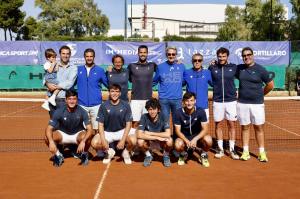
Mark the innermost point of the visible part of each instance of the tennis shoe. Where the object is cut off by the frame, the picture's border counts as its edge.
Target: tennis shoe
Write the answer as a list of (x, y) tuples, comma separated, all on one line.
[(84, 157), (204, 160), (109, 155), (245, 156), (58, 160), (234, 155), (166, 161), (51, 100), (182, 158), (262, 157), (219, 154), (45, 106), (147, 161), (126, 157)]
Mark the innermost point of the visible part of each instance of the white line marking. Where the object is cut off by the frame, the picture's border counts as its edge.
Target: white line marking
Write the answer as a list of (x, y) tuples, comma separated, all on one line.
[(291, 132), (20, 110), (99, 188)]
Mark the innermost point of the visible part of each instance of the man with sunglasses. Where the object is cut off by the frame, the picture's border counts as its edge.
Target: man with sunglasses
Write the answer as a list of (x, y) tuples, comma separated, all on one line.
[(224, 100), (169, 76), (197, 80), (254, 83)]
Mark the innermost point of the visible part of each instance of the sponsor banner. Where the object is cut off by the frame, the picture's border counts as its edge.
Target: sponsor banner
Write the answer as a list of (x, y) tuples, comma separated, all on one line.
[(265, 53), (77, 50), (19, 52), (129, 50)]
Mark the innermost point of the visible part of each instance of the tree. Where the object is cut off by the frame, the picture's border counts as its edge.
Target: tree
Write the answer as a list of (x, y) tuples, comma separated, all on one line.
[(234, 28), (11, 17), (295, 21), (75, 18), (29, 30)]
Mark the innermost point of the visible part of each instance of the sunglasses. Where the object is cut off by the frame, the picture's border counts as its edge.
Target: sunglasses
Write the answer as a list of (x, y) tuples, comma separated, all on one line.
[(171, 54), (247, 55), (197, 60)]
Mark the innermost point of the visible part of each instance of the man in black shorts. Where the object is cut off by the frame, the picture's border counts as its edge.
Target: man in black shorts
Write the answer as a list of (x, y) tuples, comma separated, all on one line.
[(70, 124), (154, 128), (115, 119), (191, 127)]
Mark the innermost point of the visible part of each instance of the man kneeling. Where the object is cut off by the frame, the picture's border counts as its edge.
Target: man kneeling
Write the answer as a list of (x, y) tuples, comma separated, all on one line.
[(191, 127), (153, 127), (70, 124), (115, 119)]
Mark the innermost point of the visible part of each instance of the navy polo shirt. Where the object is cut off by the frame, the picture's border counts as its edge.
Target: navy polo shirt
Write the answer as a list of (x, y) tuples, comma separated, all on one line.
[(251, 83), (160, 125), (70, 122), (121, 78), (114, 117), (223, 82), (190, 124)]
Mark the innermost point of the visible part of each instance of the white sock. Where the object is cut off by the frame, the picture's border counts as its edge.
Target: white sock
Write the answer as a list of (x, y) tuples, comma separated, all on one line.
[(220, 145), (245, 148), (231, 145), (261, 149), (58, 153), (166, 153), (147, 153)]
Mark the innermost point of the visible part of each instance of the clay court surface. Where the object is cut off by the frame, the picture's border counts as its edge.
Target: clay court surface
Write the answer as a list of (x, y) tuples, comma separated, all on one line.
[(27, 172)]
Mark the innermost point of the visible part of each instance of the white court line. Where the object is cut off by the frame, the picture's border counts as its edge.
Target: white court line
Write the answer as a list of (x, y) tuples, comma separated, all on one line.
[(99, 188), (291, 132), (19, 111)]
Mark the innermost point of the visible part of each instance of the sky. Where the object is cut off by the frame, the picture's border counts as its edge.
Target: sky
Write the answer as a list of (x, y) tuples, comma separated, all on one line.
[(114, 9)]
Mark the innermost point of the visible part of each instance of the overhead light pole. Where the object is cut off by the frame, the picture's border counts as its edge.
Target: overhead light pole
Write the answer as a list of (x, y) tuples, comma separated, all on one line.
[(125, 21)]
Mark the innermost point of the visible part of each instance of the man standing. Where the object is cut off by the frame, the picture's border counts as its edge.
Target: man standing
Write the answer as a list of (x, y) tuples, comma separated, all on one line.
[(191, 128), (90, 77), (254, 83), (70, 124), (224, 100), (169, 76), (66, 76), (141, 75), (115, 119), (197, 80), (153, 128)]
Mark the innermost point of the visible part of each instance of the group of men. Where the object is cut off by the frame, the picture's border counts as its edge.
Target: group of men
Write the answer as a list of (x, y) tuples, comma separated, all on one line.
[(145, 121)]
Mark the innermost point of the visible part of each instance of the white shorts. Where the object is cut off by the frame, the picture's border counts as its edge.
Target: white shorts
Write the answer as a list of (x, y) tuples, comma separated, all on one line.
[(138, 109), (251, 113), (69, 139), (207, 114), (116, 136), (226, 110), (93, 112)]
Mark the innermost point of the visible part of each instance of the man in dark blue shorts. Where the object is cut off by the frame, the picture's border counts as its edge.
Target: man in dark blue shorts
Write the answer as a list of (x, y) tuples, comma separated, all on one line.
[(115, 119), (191, 127), (70, 124), (254, 82), (154, 128)]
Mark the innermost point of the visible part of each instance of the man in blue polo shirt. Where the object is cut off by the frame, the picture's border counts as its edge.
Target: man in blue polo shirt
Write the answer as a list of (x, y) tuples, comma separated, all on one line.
[(70, 124), (191, 128), (197, 80), (169, 76), (254, 83), (224, 100), (90, 77), (154, 128), (115, 119)]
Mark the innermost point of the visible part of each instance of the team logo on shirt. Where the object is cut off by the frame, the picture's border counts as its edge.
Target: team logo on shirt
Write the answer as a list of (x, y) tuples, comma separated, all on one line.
[(253, 72), (65, 118), (80, 72), (216, 71), (110, 75), (121, 110), (137, 67), (191, 76), (95, 73), (195, 119), (184, 121), (108, 110), (230, 70)]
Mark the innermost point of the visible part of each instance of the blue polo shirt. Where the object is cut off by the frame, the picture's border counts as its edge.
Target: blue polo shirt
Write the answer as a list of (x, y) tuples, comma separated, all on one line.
[(197, 82), (223, 82), (69, 122), (121, 78), (114, 117), (160, 125), (190, 124), (251, 83)]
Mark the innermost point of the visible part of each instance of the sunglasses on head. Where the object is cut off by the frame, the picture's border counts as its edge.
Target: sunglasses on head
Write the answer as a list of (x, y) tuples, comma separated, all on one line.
[(197, 60), (247, 55), (171, 54)]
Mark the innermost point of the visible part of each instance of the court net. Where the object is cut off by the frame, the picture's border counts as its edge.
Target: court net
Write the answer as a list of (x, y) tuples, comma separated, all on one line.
[(23, 123)]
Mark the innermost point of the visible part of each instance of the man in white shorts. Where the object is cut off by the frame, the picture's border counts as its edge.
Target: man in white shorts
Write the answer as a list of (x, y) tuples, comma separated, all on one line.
[(254, 83), (224, 100), (70, 124), (154, 128), (115, 119)]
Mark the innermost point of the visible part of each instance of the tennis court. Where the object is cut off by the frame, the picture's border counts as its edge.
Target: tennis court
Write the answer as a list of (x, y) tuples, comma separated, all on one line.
[(27, 172)]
